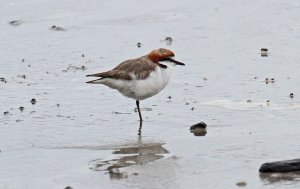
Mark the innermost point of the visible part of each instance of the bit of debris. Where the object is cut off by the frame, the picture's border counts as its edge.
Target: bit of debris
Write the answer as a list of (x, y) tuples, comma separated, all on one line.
[(22, 76), (68, 187), (82, 56), (241, 184), (2, 79), (21, 108), (264, 52), (272, 80), (116, 174), (169, 97), (249, 101), (33, 101), (135, 174), (168, 40), (291, 95), (57, 28), (74, 68), (6, 112), (139, 45), (16, 22)]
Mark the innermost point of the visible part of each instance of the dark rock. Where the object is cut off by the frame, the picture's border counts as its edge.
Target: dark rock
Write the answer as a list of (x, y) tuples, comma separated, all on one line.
[(57, 28), (291, 95), (169, 40), (199, 129), (139, 45), (21, 108), (68, 187), (241, 184), (15, 22), (281, 166), (6, 113), (200, 125), (33, 101), (264, 52)]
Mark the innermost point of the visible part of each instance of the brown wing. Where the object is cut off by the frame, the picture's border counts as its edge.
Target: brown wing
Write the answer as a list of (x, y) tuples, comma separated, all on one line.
[(139, 68)]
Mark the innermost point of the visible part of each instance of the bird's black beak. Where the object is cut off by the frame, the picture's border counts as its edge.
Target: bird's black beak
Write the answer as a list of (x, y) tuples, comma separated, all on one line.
[(175, 61)]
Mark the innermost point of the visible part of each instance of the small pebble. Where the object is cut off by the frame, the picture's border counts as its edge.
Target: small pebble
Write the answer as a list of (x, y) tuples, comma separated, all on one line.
[(241, 184), (249, 101), (57, 28), (33, 101), (169, 40), (68, 187), (6, 112), (291, 95), (169, 97), (264, 52), (15, 22), (139, 45), (200, 125), (21, 108), (82, 55)]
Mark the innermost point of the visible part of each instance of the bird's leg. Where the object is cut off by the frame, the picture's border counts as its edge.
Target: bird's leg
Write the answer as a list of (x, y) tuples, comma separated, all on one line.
[(141, 119)]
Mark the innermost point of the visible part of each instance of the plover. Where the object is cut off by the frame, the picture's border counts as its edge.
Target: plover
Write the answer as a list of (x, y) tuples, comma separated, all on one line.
[(140, 78)]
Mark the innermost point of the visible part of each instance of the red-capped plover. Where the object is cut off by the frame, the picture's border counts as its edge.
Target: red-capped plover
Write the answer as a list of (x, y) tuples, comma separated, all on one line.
[(140, 78)]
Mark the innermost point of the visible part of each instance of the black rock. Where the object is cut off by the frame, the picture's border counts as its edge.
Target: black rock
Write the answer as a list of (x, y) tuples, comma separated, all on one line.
[(21, 108), (291, 95), (6, 113), (33, 101), (200, 125), (68, 187), (139, 44), (281, 166)]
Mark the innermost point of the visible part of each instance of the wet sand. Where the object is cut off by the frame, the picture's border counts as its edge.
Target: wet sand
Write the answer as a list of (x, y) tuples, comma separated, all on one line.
[(85, 136)]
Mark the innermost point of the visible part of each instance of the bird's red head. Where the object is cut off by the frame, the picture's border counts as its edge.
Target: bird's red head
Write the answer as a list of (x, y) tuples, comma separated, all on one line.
[(160, 55)]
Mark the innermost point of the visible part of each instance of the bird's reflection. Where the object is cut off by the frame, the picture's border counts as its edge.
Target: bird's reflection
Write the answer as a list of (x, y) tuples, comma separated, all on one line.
[(136, 154), (280, 177)]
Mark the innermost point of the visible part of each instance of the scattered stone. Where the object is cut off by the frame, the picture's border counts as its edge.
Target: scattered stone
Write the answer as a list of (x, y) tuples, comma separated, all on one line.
[(264, 52), (193, 108), (200, 125), (169, 40), (204, 78), (199, 129), (249, 101), (22, 76), (2, 79), (68, 187), (6, 112), (74, 68), (139, 45), (58, 105), (82, 56), (23, 60), (19, 120), (135, 174), (15, 22), (291, 95), (21, 108), (33, 101), (241, 184), (169, 97), (281, 166), (57, 28)]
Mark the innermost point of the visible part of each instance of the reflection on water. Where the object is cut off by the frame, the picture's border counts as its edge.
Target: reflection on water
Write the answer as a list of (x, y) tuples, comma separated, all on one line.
[(137, 154), (280, 177)]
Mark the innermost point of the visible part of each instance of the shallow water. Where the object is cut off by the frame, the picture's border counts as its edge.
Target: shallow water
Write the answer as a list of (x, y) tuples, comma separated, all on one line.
[(73, 127)]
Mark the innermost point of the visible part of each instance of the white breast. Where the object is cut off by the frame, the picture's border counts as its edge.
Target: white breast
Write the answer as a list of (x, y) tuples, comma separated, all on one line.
[(141, 89)]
